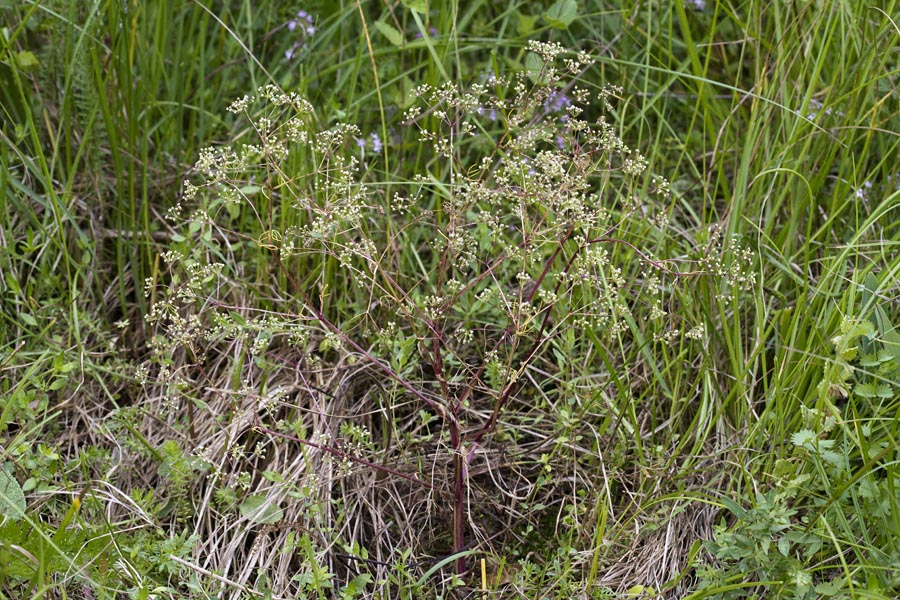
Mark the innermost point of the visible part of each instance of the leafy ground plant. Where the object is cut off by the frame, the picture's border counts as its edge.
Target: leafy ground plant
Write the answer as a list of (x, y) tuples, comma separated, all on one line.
[(474, 275)]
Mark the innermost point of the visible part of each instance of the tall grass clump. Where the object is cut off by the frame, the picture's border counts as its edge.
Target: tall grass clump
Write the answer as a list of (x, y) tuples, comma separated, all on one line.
[(96, 100)]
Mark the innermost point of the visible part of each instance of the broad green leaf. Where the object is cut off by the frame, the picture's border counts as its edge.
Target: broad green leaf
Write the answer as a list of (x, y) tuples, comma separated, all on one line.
[(357, 586), (28, 319), (12, 499), (388, 31), (534, 65), (561, 14), (27, 61), (885, 356), (12, 283), (273, 476), (526, 24), (733, 507), (640, 591), (784, 546), (255, 509), (420, 6)]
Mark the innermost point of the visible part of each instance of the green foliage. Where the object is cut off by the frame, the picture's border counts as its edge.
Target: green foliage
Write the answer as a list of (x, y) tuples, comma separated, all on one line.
[(246, 408), (834, 489), (12, 498), (34, 557)]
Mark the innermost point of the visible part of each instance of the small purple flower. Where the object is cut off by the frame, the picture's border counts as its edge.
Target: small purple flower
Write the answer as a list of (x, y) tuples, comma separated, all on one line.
[(527, 163), (376, 142), (491, 113), (432, 32), (304, 21), (557, 102)]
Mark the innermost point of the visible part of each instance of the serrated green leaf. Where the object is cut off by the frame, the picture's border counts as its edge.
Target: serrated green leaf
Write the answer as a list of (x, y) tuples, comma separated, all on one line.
[(868, 488), (834, 458), (883, 390), (256, 510), (12, 499), (803, 437), (853, 329), (850, 353), (868, 360), (868, 330), (388, 31), (830, 588), (561, 14), (865, 390)]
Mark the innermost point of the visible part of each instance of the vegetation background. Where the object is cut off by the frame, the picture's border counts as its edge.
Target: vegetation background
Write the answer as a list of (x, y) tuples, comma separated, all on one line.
[(729, 429)]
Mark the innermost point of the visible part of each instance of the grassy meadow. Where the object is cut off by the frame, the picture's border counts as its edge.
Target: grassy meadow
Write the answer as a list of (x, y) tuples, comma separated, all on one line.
[(568, 299)]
